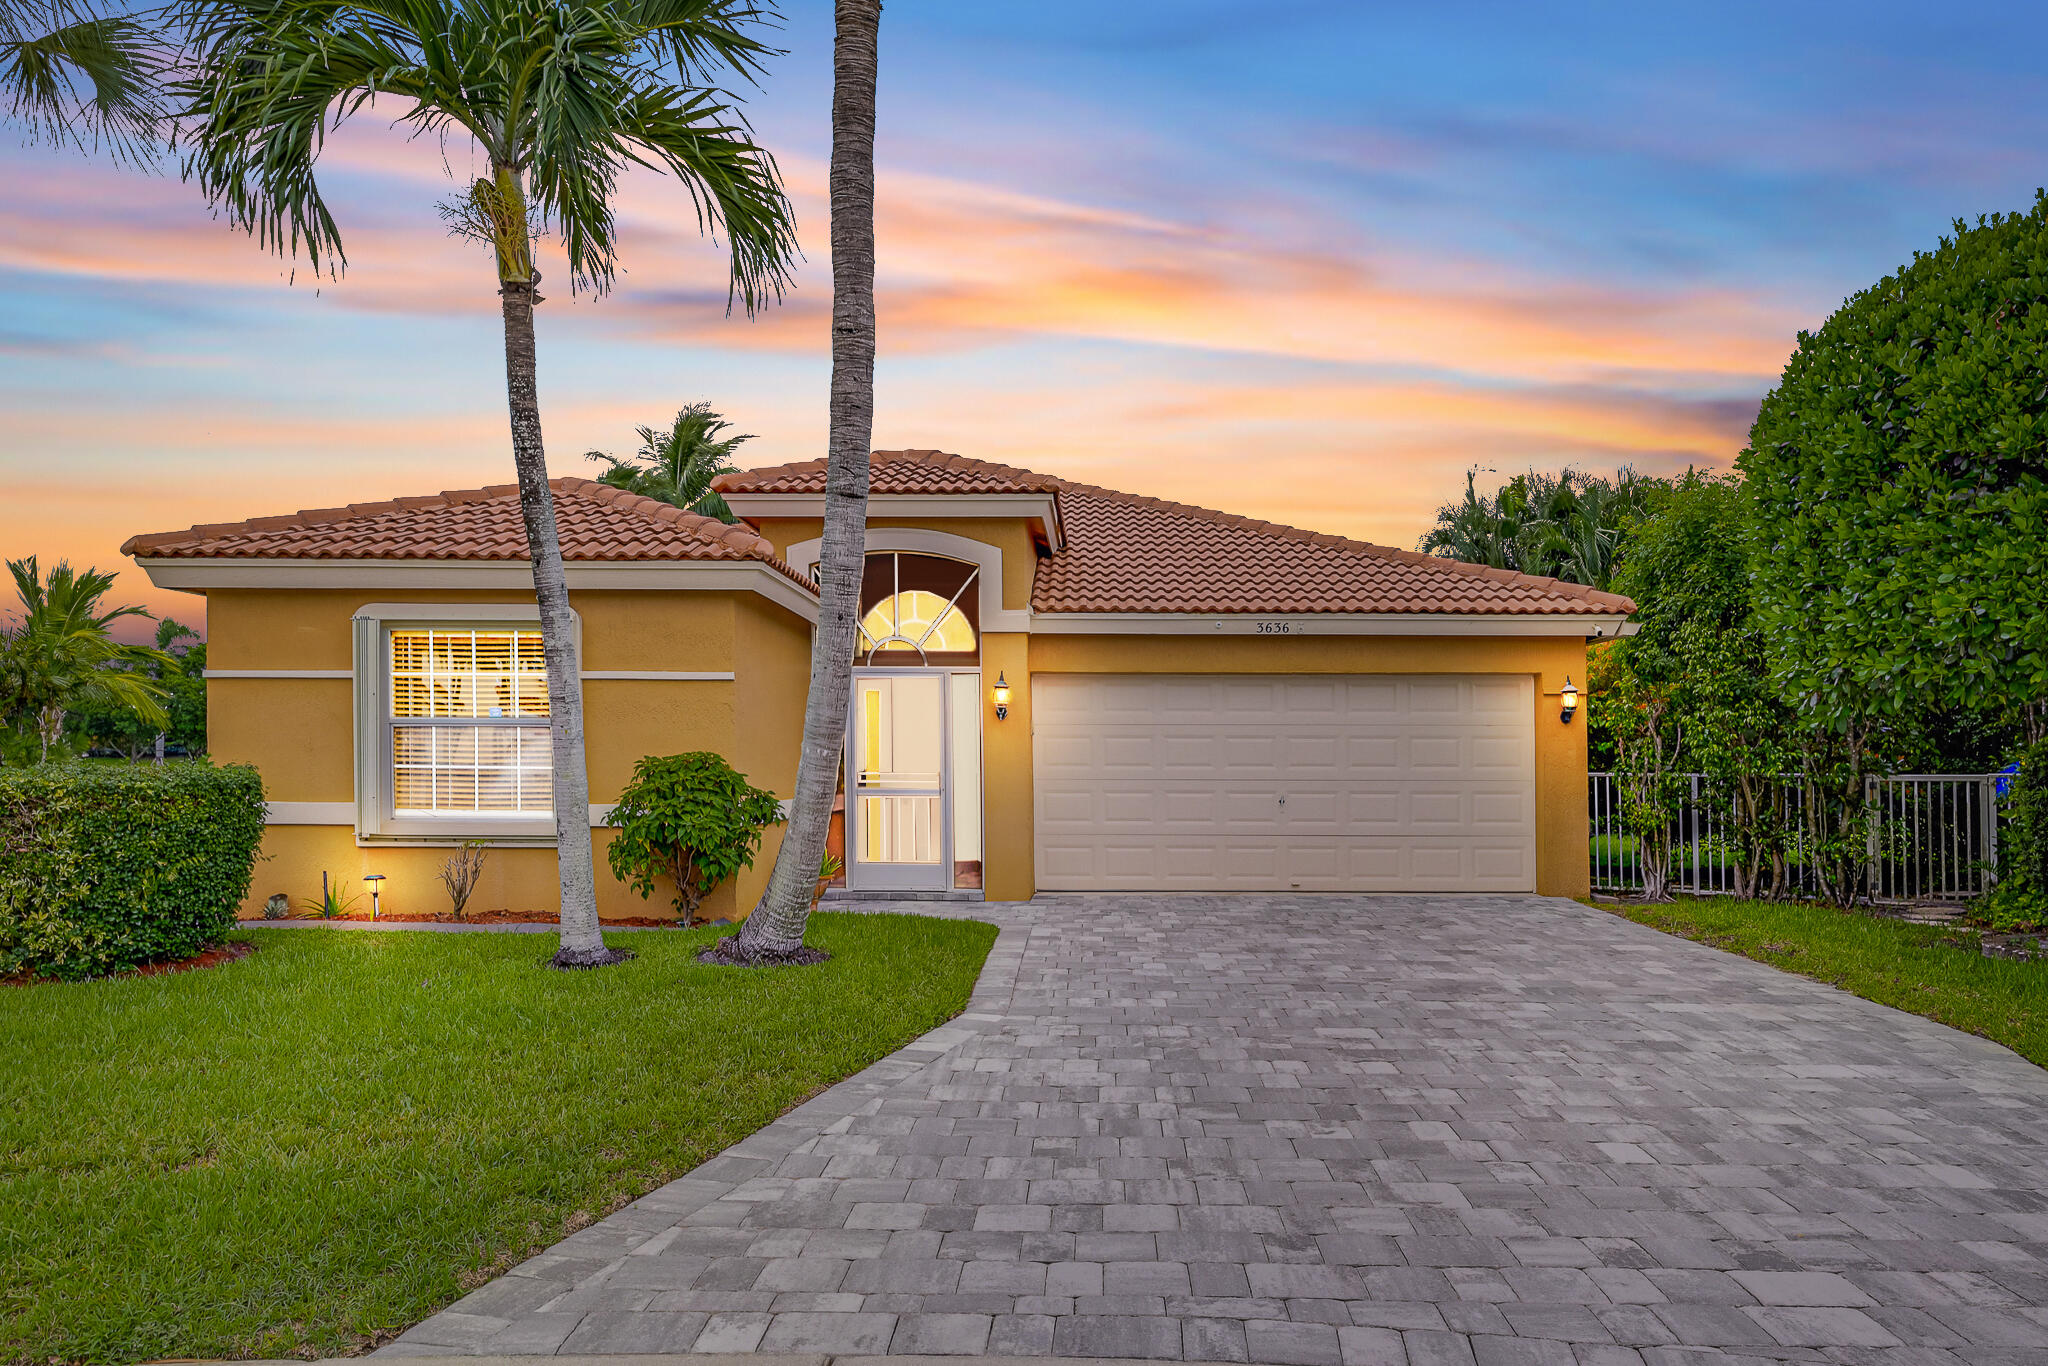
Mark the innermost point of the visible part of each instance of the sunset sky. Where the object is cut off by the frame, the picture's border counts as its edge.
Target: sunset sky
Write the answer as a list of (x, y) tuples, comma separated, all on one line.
[(1308, 263)]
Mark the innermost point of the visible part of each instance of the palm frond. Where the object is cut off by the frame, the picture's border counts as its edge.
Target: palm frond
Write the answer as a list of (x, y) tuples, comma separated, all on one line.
[(92, 80), (701, 36), (734, 183)]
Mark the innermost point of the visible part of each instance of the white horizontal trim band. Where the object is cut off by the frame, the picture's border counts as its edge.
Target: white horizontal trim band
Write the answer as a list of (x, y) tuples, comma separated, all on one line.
[(199, 575), (604, 675), (344, 814), (1281, 626), (279, 673), (309, 813)]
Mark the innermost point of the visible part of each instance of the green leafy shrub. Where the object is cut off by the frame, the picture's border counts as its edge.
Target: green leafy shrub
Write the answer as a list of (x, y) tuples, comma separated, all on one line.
[(1899, 474), (105, 867), (692, 817), (2020, 901)]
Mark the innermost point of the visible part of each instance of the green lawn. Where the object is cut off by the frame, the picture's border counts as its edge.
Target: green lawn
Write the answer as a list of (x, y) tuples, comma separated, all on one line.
[(1930, 970), (334, 1137)]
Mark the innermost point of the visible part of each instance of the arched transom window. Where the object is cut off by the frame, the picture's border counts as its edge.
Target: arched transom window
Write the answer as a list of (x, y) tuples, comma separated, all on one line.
[(917, 609)]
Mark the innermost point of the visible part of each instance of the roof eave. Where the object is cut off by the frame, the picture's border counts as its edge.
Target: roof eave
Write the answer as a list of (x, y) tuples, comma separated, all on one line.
[(1583, 625), (1040, 510)]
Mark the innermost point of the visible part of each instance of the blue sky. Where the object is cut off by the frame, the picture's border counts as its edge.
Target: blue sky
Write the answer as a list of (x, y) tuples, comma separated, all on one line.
[(1307, 266)]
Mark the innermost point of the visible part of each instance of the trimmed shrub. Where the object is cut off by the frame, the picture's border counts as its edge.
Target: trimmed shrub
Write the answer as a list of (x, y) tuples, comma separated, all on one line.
[(105, 867), (689, 816)]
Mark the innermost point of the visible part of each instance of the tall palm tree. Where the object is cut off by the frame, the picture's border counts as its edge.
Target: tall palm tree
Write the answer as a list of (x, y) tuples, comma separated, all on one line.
[(560, 96), (775, 930), (71, 74), (62, 653), (677, 465)]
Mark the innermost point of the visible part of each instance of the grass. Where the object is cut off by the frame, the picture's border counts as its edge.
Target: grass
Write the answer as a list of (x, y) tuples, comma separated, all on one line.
[(325, 1142), (1930, 970)]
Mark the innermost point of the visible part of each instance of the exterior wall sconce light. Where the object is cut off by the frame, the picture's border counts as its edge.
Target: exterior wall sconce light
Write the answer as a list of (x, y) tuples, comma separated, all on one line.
[(1571, 701), (1002, 694), (374, 879)]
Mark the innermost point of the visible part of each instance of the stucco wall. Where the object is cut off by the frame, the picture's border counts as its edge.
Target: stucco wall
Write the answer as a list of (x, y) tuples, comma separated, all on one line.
[(299, 732)]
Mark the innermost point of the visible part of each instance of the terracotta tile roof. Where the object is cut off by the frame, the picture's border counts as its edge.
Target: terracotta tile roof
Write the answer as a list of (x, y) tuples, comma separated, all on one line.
[(1127, 553), (910, 472), (595, 522)]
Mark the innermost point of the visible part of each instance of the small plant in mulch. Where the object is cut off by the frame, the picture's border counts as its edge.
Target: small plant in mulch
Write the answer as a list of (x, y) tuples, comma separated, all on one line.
[(334, 902), (460, 873)]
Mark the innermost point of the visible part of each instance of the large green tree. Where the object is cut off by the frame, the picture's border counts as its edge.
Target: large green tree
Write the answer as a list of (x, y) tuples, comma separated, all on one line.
[(1900, 475), (1696, 668), (60, 653), (775, 929), (182, 675), (560, 97)]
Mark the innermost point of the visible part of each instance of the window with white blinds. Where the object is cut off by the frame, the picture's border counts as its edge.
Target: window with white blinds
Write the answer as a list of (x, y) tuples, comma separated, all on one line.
[(468, 722)]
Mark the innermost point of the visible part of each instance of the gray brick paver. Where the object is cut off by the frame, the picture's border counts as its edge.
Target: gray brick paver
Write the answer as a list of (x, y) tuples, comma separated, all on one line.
[(1361, 1131)]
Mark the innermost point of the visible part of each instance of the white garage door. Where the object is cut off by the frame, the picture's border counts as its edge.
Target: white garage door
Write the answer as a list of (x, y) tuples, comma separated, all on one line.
[(1379, 782)]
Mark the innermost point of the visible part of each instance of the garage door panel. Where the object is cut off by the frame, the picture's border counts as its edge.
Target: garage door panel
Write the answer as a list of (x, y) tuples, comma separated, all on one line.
[(1437, 753), (1390, 782)]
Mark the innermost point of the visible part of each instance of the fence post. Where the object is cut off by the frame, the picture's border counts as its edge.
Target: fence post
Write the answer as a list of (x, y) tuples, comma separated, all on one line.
[(1873, 873), (1695, 832), (1990, 874)]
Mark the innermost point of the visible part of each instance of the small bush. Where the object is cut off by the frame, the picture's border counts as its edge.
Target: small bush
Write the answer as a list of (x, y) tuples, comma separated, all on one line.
[(105, 867), (2023, 843), (689, 816)]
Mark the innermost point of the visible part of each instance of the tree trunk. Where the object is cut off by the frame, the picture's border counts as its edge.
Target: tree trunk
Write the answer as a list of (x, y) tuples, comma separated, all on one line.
[(582, 940), (776, 927)]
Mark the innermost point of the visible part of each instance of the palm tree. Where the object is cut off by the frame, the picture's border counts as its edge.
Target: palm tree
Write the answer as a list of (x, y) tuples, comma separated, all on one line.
[(560, 96), (73, 75), (677, 465), (1565, 526), (775, 930), (62, 654)]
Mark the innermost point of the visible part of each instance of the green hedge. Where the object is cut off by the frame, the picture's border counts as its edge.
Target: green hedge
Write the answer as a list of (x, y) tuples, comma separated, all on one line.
[(107, 866)]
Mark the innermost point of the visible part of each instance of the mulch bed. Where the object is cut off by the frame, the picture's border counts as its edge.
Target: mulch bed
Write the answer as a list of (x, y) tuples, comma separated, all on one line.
[(231, 952), (500, 918)]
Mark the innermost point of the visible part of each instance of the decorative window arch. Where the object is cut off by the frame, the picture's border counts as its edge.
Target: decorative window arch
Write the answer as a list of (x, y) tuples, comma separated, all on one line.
[(987, 593), (918, 609)]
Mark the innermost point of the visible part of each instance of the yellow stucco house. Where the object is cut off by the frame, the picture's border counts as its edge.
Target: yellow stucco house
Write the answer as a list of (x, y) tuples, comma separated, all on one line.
[(1059, 688)]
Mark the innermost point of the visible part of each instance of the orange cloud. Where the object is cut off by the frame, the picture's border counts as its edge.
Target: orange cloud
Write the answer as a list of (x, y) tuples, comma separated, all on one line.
[(960, 264)]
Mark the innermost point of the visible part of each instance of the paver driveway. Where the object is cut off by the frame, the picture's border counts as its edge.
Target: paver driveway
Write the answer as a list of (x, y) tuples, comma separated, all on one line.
[(1350, 1130)]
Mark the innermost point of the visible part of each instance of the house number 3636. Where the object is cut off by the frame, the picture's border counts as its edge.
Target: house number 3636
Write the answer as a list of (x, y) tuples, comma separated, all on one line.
[(1276, 628)]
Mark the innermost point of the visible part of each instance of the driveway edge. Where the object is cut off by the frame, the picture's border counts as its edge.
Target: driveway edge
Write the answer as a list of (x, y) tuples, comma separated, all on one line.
[(583, 1258)]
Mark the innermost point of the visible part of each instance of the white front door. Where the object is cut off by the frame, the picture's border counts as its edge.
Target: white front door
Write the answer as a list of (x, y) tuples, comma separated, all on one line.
[(1313, 782), (898, 818)]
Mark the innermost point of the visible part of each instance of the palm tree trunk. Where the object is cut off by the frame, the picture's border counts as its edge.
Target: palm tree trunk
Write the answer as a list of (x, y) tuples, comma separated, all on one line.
[(776, 927), (582, 940)]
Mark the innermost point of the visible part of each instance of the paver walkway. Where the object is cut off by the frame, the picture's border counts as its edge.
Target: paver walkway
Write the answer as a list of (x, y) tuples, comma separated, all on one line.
[(1349, 1131)]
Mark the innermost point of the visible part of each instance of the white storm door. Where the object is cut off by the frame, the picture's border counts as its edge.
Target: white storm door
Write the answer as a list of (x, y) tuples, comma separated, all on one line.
[(1377, 782), (898, 818)]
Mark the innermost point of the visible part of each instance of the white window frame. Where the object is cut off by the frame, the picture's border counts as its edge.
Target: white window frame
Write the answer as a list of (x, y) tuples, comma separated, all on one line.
[(376, 822)]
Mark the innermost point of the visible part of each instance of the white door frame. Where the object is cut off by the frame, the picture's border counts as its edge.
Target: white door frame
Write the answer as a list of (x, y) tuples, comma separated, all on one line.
[(900, 877)]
